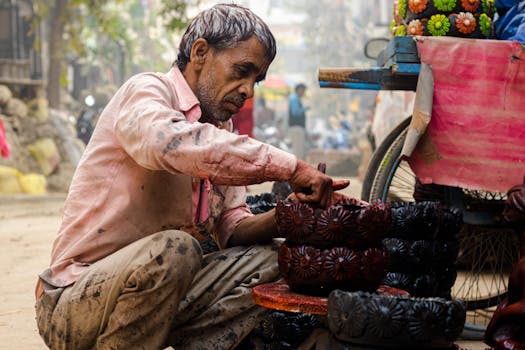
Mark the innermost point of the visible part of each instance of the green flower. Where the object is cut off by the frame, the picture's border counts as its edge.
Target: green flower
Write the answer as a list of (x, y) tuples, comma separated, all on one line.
[(400, 31), (392, 26), (488, 6), (438, 25), (445, 5), (485, 24), (402, 8)]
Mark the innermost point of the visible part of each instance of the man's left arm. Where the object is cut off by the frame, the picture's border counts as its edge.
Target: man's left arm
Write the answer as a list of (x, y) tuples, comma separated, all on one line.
[(238, 225), (256, 229)]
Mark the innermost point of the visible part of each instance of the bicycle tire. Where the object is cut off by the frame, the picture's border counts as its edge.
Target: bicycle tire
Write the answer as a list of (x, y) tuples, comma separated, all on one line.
[(390, 178), (379, 157)]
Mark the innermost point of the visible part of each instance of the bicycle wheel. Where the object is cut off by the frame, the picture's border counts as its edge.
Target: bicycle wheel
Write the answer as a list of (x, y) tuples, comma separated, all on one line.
[(487, 250)]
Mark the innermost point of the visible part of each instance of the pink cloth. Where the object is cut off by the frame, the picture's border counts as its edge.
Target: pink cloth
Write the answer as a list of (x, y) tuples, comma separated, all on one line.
[(476, 136), (143, 171), (243, 121), (4, 146)]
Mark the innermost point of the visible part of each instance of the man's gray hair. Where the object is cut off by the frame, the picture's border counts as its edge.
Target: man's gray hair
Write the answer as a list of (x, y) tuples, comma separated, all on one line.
[(224, 26)]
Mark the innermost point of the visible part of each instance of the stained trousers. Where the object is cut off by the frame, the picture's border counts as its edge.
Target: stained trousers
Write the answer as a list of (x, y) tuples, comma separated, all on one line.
[(156, 292)]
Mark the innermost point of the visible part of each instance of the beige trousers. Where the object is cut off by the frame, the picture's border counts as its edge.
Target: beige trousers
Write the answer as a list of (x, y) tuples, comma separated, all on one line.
[(297, 135), (156, 292)]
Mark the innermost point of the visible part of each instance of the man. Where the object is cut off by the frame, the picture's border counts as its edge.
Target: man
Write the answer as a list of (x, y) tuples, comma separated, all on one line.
[(162, 172), (297, 121)]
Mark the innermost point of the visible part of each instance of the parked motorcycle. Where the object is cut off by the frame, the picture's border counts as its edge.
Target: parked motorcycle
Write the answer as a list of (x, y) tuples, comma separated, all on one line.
[(88, 117)]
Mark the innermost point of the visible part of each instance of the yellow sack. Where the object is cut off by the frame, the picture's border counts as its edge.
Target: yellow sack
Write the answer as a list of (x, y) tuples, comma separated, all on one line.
[(38, 109), (33, 183), (46, 154), (9, 180)]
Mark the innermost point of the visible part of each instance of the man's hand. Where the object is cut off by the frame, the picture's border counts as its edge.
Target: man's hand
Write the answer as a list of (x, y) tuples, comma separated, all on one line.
[(336, 198), (312, 185)]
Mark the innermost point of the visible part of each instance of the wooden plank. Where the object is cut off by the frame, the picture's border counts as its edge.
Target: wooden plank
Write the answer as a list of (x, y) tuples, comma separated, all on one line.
[(369, 78)]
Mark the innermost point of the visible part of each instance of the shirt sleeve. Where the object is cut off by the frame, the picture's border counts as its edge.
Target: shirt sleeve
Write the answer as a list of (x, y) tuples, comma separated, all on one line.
[(158, 137)]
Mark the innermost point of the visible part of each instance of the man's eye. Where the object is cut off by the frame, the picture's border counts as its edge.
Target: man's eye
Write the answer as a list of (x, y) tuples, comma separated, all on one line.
[(242, 72)]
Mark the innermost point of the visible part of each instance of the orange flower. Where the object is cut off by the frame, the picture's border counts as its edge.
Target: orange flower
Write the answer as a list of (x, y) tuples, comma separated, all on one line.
[(470, 5), (415, 27), (465, 22), (417, 6)]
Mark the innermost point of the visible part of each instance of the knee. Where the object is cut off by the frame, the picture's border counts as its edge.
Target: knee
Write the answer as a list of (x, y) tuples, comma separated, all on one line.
[(177, 250), (168, 260)]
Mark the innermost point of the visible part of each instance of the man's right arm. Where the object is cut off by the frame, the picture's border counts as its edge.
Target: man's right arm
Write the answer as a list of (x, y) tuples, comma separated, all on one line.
[(158, 137)]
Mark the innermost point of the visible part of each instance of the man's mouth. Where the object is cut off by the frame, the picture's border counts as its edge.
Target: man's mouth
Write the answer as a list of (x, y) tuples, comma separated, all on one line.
[(233, 107)]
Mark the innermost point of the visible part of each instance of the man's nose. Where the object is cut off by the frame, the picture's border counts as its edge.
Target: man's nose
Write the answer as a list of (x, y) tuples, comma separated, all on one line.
[(247, 87)]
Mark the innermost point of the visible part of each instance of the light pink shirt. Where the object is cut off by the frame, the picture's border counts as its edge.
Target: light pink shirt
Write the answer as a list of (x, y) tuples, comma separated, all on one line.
[(143, 170)]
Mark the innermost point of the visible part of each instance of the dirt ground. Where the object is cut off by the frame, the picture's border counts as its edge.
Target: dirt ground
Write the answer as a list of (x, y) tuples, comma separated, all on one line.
[(28, 225)]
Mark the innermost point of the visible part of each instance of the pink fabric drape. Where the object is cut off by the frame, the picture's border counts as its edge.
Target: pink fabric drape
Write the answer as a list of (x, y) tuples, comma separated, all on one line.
[(476, 135), (4, 146)]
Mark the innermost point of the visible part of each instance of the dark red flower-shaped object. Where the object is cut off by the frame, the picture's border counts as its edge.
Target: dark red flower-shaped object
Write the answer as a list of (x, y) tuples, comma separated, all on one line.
[(309, 270), (295, 220), (375, 263), (306, 262), (349, 222), (374, 222), (333, 222), (342, 264)]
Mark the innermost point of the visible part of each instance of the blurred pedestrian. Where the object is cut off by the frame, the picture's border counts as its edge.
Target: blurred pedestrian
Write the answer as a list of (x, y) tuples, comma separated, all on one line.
[(243, 120), (263, 115)]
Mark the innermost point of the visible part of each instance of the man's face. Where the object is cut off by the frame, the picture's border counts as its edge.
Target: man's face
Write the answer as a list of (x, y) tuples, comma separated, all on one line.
[(228, 78)]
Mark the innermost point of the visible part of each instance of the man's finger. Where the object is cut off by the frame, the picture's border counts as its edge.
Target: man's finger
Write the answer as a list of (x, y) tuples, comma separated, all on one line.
[(340, 184), (303, 197)]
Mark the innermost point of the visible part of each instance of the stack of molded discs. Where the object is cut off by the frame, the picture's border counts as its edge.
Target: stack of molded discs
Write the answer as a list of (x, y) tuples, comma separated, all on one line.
[(339, 247), (376, 321), (423, 248)]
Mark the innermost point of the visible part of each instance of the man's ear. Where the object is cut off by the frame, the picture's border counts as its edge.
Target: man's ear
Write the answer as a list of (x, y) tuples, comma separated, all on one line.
[(199, 52)]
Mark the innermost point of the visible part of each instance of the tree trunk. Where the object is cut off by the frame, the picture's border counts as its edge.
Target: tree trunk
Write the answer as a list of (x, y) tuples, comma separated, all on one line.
[(56, 59)]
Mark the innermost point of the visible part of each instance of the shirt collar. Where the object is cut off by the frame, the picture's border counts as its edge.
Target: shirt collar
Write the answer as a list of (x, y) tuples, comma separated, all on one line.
[(188, 102)]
